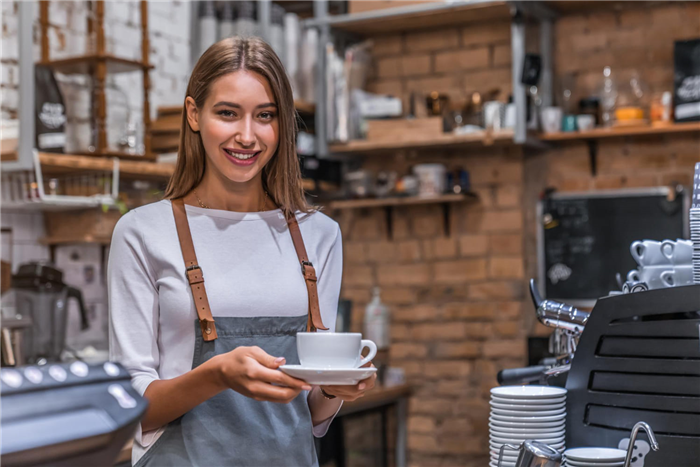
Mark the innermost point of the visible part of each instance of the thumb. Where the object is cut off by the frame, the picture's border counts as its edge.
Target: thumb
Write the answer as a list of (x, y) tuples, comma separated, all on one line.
[(266, 359)]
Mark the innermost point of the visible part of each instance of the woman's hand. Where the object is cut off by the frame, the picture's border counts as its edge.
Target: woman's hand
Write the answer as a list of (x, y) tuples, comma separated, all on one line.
[(253, 372), (351, 393)]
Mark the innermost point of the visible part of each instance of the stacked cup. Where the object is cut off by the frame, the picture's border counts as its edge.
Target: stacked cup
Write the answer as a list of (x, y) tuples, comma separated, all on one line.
[(519, 413), (695, 224), (662, 264), (594, 457)]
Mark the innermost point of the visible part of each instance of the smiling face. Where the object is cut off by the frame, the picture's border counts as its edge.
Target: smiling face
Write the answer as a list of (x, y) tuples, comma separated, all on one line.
[(238, 124)]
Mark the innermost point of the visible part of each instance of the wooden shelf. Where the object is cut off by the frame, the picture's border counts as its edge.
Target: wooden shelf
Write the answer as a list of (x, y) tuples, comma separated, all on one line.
[(126, 156), (83, 64), (447, 140), (305, 108), (407, 201), (420, 16), (63, 163), (72, 240), (600, 133)]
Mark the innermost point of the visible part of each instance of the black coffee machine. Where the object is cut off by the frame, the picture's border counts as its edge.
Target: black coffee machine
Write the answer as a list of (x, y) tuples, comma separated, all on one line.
[(34, 329)]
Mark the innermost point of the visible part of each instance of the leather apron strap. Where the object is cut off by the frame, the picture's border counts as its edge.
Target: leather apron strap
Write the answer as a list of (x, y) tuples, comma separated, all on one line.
[(196, 278), (193, 271), (307, 269)]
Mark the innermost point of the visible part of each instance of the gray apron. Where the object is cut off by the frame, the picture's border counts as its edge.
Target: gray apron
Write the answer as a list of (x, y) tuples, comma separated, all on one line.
[(231, 429)]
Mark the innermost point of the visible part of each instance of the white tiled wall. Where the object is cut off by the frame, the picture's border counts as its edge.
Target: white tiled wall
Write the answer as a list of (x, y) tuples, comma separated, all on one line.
[(169, 53)]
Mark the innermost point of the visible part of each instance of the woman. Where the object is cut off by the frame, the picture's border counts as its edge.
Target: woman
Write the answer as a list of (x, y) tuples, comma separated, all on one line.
[(234, 214)]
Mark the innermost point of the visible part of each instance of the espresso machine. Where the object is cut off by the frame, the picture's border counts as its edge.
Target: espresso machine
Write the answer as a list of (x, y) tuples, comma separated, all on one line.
[(35, 313)]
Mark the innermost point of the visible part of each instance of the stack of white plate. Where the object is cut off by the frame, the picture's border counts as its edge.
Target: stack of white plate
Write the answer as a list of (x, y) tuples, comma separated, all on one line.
[(695, 224), (519, 413), (594, 457)]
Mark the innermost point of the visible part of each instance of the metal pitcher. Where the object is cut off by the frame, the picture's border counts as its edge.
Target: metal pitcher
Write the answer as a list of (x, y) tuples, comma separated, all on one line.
[(533, 454)]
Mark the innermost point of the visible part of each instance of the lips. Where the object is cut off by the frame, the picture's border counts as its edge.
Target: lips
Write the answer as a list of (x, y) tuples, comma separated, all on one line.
[(241, 156)]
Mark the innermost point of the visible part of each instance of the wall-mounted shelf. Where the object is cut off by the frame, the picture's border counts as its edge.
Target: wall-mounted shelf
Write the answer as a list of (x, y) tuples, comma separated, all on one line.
[(85, 64), (420, 16), (600, 133), (388, 204), (305, 108), (64, 163), (447, 140), (593, 136), (396, 201)]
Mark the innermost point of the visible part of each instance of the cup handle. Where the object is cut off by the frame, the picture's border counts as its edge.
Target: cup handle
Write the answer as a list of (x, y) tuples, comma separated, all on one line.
[(637, 251), (372, 351), (667, 247), (667, 278), (633, 276)]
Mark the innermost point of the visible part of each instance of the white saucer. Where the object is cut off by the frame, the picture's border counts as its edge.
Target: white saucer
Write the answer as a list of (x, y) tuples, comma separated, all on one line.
[(328, 376), (530, 408), (528, 413)]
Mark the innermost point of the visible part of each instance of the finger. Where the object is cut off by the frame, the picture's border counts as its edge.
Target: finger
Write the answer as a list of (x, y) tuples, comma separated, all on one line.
[(265, 358), (283, 379), (268, 392)]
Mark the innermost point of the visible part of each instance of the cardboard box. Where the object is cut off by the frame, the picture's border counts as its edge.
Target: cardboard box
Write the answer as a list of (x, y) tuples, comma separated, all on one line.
[(91, 225), (402, 129)]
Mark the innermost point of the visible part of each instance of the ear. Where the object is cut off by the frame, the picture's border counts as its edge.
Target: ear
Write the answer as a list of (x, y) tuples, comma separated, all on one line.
[(192, 114)]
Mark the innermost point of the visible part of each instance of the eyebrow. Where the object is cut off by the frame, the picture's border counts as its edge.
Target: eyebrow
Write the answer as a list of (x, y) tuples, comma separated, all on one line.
[(238, 106)]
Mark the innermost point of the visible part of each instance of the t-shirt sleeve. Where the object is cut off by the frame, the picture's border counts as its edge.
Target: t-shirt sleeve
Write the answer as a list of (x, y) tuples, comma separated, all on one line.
[(133, 308), (329, 280)]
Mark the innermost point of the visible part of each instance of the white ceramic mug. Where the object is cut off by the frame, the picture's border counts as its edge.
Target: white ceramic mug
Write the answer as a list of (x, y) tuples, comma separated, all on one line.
[(585, 122), (679, 275), (333, 349), (649, 252), (679, 252), (551, 119), (652, 275)]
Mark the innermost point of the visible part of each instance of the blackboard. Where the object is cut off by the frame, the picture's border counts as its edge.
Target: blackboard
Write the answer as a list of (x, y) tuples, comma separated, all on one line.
[(584, 239)]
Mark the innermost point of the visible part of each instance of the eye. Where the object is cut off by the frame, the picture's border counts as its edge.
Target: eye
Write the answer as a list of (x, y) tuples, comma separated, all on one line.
[(267, 115), (226, 113)]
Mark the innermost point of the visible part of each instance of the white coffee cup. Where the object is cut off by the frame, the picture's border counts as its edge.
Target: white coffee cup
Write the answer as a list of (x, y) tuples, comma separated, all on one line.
[(652, 275), (551, 119), (333, 349), (585, 122), (679, 275), (651, 252), (679, 252)]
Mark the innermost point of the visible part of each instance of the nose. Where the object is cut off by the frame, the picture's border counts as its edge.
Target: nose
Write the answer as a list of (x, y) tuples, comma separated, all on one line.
[(245, 136)]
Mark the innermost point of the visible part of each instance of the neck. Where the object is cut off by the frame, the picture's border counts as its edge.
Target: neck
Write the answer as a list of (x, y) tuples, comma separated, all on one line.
[(217, 193)]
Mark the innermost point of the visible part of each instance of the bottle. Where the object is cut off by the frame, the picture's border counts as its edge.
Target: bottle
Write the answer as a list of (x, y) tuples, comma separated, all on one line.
[(377, 322), (277, 30), (246, 25), (227, 25), (608, 98), (207, 25)]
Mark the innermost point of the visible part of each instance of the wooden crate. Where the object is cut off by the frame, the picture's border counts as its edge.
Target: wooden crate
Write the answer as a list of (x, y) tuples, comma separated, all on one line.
[(401, 129), (92, 225)]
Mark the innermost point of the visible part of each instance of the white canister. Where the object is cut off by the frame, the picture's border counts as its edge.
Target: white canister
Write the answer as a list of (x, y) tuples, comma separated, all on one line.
[(431, 179)]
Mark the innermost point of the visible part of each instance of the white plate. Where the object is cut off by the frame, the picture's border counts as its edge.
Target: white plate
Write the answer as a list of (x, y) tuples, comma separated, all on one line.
[(550, 418), (520, 439), (571, 463), (528, 392), (509, 400), (494, 463), (513, 455), (495, 447), (534, 430), (328, 377), (528, 413), (528, 434), (593, 455), (529, 408), (523, 424)]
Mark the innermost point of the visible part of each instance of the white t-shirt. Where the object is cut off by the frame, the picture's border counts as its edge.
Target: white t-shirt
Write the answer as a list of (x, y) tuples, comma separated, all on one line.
[(250, 269)]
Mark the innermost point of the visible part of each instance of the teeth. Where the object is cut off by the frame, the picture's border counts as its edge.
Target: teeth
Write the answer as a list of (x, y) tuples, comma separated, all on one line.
[(241, 156)]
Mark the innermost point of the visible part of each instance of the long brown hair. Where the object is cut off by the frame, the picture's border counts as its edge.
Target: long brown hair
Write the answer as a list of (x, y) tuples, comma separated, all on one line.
[(281, 175)]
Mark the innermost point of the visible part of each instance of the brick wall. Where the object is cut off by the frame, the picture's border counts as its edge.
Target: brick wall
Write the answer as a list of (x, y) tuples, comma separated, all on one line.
[(460, 310)]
